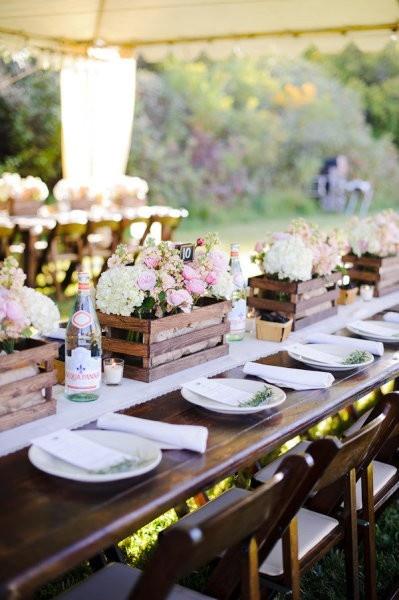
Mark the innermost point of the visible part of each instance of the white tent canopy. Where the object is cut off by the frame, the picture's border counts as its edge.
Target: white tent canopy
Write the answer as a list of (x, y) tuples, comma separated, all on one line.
[(97, 96), (188, 27)]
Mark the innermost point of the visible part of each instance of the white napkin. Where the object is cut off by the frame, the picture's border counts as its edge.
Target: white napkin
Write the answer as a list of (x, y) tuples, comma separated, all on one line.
[(376, 348), (391, 317), (188, 437), (57, 334), (373, 328), (307, 351), (217, 391), (80, 451), (297, 379)]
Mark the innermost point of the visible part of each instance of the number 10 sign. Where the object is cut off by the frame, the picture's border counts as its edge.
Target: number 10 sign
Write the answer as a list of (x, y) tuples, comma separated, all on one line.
[(186, 252)]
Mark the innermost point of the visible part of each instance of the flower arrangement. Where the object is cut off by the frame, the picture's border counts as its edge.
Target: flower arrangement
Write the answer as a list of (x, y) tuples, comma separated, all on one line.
[(22, 309), (129, 191), (70, 192), (301, 252), (153, 281), (13, 186), (376, 236)]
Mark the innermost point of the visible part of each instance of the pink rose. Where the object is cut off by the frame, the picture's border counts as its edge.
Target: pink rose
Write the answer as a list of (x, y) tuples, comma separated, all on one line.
[(211, 278), (219, 260), (281, 235), (167, 281), (113, 261), (180, 298), (14, 311), (147, 281), (151, 261), (196, 286), (3, 308), (259, 247), (189, 273)]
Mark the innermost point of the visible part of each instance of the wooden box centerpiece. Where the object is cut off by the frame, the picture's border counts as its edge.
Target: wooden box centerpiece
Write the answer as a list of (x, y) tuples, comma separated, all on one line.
[(163, 307), (26, 365), (169, 344), (24, 195), (23, 208), (373, 258), (305, 302), (383, 273), (26, 379), (300, 273)]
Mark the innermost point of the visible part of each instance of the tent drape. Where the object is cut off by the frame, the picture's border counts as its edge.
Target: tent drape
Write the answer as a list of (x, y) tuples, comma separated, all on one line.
[(97, 104)]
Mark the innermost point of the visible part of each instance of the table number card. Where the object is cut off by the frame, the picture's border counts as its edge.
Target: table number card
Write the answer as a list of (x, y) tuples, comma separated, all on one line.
[(81, 452), (209, 388), (186, 251)]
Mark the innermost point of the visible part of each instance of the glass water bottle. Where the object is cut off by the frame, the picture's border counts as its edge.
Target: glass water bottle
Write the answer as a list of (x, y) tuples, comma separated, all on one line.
[(83, 347), (238, 313)]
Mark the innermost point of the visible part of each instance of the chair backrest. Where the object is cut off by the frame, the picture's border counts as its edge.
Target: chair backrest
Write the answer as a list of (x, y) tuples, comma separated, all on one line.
[(186, 547), (357, 452)]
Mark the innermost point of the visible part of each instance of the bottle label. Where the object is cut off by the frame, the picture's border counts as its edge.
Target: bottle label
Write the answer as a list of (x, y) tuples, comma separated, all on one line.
[(82, 319), (238, 315), (82, 371)]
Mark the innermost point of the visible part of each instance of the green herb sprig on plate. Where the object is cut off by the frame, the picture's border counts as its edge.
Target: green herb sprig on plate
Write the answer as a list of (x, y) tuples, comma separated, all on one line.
[(356, 357), (125, 465), (259, 398)]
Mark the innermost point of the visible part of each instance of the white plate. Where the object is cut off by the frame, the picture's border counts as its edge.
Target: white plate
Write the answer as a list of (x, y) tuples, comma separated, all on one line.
[(148, 452), (392, 329), (336, 350), (247, 385)]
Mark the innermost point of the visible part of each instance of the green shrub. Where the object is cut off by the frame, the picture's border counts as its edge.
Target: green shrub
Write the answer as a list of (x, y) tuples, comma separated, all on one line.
[(249, 135)]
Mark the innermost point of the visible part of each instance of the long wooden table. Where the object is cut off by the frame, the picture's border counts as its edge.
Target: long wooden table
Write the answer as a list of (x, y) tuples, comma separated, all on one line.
[(48, 525)]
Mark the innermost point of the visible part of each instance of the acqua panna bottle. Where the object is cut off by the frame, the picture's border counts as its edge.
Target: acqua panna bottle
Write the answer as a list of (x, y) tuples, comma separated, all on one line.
[(238, 313), (83, 347)]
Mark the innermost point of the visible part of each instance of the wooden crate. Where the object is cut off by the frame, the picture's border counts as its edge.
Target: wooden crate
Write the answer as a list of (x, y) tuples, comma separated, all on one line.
[(169, 344), (14, 393), (383, 273), (305, 302)]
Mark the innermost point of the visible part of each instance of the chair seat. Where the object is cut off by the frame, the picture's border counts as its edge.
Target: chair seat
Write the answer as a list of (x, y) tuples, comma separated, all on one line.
[(313, 527), (115, 582), (382, 474)]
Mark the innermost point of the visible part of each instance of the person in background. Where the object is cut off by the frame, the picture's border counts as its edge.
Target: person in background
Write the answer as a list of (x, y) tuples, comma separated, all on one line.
[(338, 194)]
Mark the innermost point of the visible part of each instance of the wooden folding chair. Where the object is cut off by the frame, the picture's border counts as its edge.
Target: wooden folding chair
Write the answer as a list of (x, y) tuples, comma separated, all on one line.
[(6, 235), (192, 543), (102, 238), (66, 244), (336, 503)]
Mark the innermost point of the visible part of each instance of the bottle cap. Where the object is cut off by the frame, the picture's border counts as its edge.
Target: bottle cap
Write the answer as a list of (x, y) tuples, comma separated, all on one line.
[(234, 249), (83, 281)]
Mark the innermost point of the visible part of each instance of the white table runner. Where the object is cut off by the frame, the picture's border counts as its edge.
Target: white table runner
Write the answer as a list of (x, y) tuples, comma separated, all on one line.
[(130, 393)]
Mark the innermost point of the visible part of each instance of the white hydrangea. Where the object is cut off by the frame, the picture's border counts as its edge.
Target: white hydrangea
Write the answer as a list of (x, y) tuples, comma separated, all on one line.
[(41, 311), (224, 287), (363, 238), (118, 292), (289, 258)]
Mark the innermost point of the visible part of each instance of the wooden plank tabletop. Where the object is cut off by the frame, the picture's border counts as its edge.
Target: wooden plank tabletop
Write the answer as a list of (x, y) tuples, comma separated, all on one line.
[(48, 525)]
